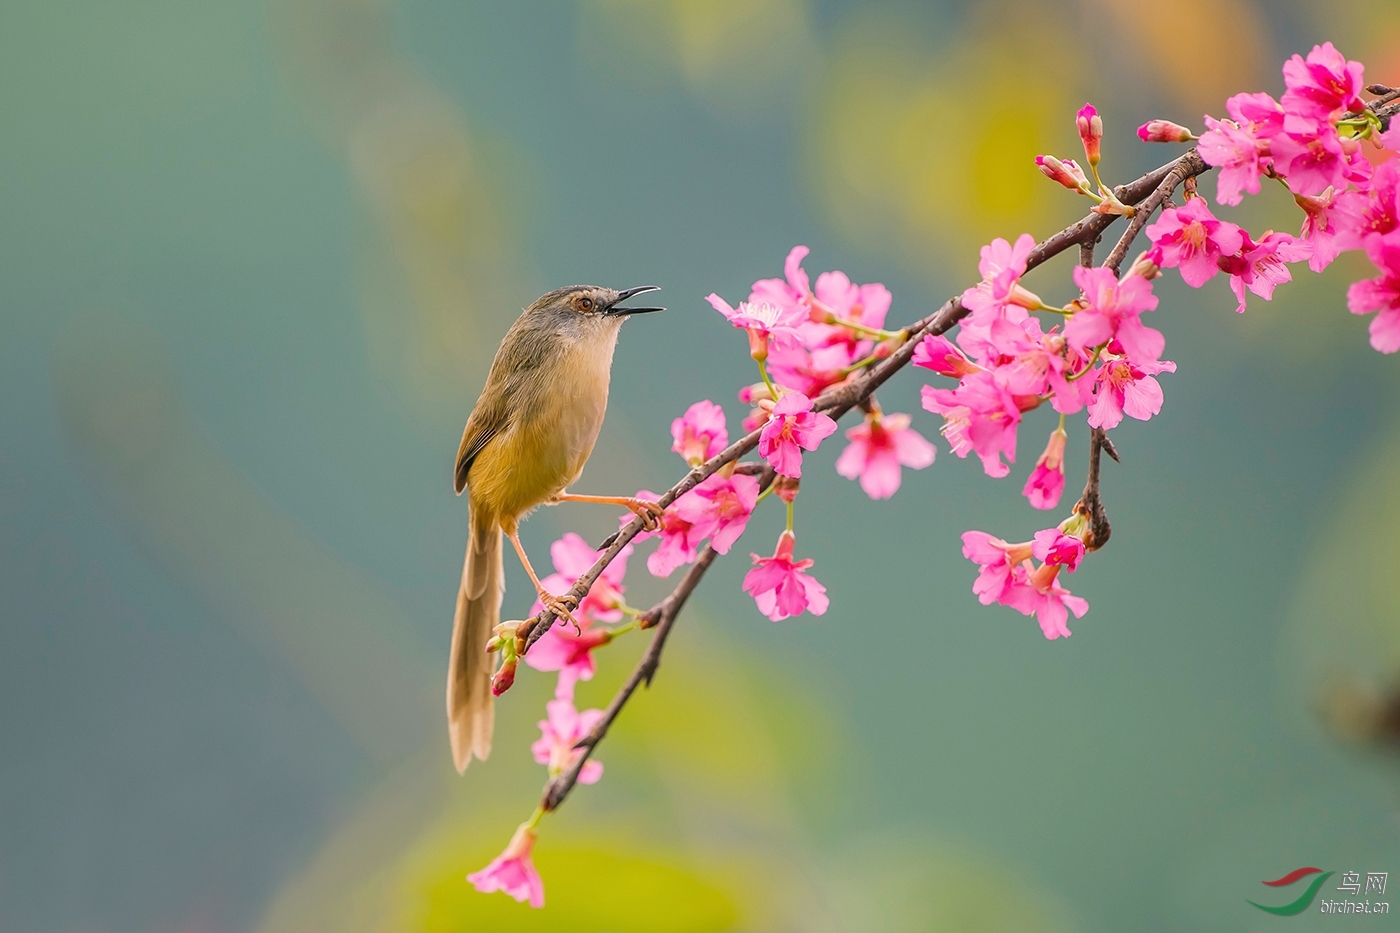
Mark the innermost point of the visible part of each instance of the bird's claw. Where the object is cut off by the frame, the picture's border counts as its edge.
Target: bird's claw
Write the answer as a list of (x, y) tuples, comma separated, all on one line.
[(648, 511), (561, 607)]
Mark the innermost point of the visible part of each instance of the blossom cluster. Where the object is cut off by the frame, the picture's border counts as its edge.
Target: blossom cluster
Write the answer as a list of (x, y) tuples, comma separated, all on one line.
[(1312, 140), (1011, 354)]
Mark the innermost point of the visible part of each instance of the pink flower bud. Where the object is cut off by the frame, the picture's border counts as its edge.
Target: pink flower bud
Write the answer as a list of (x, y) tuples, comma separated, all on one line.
[(1066, 173), (781, 586), (1090, 126), (819, 313), (753, 394), (758, 344), (941, 355), (1148, 264), (503, 678), (1164, 131), (1024, 297)]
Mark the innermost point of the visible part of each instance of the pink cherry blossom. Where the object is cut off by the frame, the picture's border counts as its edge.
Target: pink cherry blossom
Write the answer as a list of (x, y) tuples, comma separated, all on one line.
[(1111, 310), (826, 348), (1164, 131), (1191, 238), (1007, 576), (562, 729), (792, 428), (1260, 267), (1029, 363), (568, 652), (1000, 291), (1376, 209), (980, 415), (700, 433), (1381, 294), (866, 305), (1323, 84), (1001, 566), (767, 324), (1052, 546), (512, 871), (1239, 155), (791, 293), (1390, 139), (1043, 597), (719, 509), (1325, 228), (1259, 113), (1310, 155), (781, 586), (572, 557), (810, 370), (1125, 386), (878, 449), (679, 542), (1047, 480)]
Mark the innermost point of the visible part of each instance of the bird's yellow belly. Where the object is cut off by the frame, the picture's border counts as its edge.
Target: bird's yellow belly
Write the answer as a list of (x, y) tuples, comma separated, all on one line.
[(546, 449)]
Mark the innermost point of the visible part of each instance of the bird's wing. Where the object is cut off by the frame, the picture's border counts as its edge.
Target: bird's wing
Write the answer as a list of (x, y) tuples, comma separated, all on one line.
[(486, 421), (508, 390)]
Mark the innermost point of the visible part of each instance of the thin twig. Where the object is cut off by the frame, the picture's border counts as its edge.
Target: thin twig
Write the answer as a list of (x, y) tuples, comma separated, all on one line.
[(664, 615), (1384, 95), (1188, 166), (1090, 505)]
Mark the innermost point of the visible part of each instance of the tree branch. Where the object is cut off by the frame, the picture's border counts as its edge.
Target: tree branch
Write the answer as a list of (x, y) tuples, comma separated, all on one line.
[(840, 399), (1188, 166), (663, 616), (1146, 193)]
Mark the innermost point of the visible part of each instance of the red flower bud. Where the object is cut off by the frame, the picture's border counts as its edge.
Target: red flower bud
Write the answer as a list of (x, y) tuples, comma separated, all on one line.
[(1090, 126)]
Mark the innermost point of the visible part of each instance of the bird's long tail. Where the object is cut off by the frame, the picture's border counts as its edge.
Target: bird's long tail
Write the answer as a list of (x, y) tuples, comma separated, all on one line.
[(470, 713)]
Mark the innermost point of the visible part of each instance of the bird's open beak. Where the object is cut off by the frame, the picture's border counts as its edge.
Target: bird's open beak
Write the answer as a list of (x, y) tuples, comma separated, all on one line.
[(616, 307)]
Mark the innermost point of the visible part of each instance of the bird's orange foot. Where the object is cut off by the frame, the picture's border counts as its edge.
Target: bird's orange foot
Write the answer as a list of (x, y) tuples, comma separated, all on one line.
[(562, 608), (648, 511)]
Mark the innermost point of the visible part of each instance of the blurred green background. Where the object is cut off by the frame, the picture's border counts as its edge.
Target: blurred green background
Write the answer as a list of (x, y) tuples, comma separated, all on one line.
[(254, 259)]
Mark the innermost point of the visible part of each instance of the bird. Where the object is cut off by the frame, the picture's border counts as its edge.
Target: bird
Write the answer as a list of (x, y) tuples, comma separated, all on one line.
[(526, 441)]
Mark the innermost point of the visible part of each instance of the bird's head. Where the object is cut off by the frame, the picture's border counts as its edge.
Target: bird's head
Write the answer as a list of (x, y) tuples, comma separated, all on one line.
[(584, 305)]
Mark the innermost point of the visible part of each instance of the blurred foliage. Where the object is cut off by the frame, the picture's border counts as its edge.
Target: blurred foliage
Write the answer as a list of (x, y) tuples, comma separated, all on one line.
[(1212, 48), (738, 55), (921, 149), (439, 267), (1344, 625)]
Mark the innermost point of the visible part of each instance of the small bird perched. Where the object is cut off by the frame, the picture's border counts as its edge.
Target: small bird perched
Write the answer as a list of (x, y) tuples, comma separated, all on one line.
[(526, 440)]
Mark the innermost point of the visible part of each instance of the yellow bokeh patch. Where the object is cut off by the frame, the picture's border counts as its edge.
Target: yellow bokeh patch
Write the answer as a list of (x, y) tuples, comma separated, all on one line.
[(928, 151)]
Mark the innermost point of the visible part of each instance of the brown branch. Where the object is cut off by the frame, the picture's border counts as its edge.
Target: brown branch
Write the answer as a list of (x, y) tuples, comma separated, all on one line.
[(1384, 95), (1379, 105), (1188, 166), (663, 616), (1147, 192), (1090, 504), (840, 399)]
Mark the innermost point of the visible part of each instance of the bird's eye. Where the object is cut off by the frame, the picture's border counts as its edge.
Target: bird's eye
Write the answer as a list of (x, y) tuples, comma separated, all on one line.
[(583, 303)]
